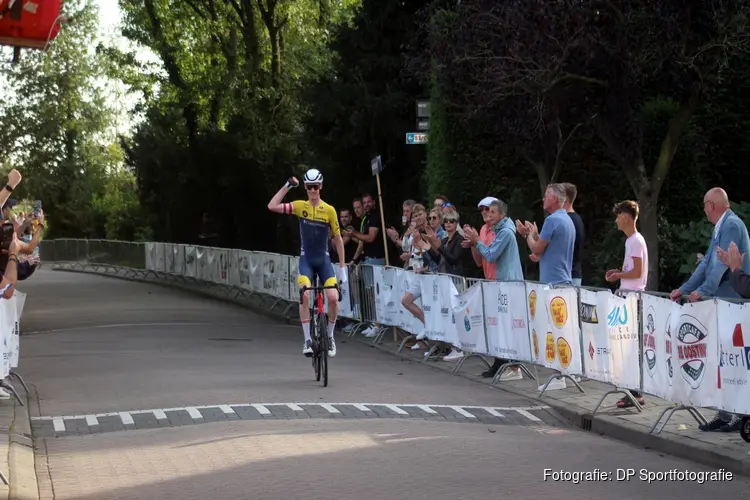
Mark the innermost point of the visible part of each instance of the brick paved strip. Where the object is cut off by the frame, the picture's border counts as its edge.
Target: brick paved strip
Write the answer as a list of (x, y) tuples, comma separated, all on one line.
[(68, 425)]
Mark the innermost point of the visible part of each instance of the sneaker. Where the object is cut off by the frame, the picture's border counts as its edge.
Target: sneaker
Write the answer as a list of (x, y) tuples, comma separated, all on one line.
[(713, 425), (348, 328), (331, 348), (416, 346), (307, 349), (368, 330), (4, 394), (555, 385), (454, 355), (732, 426), (512, 374), (372, 333)]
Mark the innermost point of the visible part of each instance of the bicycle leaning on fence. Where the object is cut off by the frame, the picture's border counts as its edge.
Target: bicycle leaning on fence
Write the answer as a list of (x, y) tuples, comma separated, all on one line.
[(318, 331)]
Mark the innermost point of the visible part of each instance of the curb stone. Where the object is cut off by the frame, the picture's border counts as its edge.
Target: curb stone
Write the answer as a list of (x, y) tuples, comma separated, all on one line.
[(632, 434), (21, 465)]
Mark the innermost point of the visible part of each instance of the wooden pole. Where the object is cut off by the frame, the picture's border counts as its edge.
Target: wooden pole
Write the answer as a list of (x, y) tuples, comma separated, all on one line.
[(382, 220)]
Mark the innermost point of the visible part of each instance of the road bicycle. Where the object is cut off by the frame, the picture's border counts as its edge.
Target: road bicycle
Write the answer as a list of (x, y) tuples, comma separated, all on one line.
[(319, 328)]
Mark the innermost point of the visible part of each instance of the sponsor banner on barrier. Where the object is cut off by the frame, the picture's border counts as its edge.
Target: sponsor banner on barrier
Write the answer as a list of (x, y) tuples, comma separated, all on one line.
[(658, 369), (10, 315), (734, 356), (468, 318), (609, 329), (191, 262), (507, 320), (169, 258), (378, 291), (346, 306), (256, 271), (179, 259), (439, 297), (151, 256), (243, 268), (695, 355), (407, 320), (201, 264), (555, 331)]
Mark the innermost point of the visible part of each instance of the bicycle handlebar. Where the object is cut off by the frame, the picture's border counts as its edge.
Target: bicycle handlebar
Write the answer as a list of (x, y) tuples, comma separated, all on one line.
[(318, 288)]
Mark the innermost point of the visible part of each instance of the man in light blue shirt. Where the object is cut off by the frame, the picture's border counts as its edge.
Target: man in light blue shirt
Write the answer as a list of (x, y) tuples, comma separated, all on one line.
[(553, 248)]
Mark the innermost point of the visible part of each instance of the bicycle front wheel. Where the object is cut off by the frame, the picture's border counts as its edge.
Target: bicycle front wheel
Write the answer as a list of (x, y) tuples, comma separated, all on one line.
[(323, 355)]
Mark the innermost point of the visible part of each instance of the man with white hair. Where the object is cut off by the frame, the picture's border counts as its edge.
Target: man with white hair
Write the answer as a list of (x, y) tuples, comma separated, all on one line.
[(553, 248), (712, 277)]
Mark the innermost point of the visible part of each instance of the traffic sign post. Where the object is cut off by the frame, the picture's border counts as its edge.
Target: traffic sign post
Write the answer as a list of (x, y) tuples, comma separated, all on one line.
[(376, 165), (416, 138)]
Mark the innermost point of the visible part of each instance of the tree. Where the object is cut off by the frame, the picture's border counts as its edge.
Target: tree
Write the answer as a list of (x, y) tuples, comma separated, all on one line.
[(595, 62), (58, 124)]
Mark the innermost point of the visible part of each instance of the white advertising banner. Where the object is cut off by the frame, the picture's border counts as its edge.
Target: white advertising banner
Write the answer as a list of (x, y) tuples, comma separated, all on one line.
[(468, 319), (373, 280), (7, 326), (658, 370), (160, 264), (695, 355), (555, 331), (191, 262), (507, 320), (151, 256), (390, 302), (201, 262), (734, 357), (179, 259), (407, 320), (346, 306), (256, 271), (169, 258), (611, 343), (439, 297), (595, 337)]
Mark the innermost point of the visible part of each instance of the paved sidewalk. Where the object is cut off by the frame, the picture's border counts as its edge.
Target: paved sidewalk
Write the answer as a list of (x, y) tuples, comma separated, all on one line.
[(680, 437), (16, 449)]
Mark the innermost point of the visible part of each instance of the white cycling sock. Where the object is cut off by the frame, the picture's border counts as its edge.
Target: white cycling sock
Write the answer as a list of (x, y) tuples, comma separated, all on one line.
[(306, 329), (331, 327)]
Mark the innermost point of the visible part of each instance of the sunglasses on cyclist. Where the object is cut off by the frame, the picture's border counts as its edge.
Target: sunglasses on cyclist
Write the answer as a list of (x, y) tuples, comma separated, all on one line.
[(312, 187)]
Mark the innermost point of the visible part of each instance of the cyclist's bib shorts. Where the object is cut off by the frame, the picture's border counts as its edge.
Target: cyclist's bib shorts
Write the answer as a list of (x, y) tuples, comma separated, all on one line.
[(314, 226)]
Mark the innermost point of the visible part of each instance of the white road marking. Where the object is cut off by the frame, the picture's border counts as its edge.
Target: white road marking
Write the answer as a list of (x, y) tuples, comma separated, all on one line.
[(494, 412), (328, 408), (461, 411), (261, 409), (194, 413), (227, 409), (58, 422), (528, 415), (127, 419), (360, 407), (426, 409), (396, 409)]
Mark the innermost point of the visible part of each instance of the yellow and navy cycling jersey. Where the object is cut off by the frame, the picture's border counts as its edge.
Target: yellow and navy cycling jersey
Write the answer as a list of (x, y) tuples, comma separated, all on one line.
[(314, 225)]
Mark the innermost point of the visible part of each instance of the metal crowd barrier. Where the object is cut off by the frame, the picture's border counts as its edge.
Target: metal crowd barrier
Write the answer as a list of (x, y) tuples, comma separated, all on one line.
[(670, 350)]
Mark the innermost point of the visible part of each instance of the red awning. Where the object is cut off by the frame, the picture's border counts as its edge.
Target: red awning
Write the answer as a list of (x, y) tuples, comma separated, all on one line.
[(30, 24)]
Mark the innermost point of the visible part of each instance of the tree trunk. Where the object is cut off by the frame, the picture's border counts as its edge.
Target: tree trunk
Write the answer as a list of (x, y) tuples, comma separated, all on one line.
[(649, 228)]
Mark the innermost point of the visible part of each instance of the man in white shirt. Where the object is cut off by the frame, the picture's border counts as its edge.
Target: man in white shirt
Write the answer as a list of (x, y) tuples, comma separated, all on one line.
[(634, 273)]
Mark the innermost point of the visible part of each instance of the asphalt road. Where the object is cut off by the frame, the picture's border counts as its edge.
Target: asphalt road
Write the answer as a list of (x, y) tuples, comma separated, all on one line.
[(151, 392)]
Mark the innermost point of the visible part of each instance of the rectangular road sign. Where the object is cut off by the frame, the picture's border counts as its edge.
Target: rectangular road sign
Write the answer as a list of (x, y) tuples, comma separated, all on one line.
[(416, 138)]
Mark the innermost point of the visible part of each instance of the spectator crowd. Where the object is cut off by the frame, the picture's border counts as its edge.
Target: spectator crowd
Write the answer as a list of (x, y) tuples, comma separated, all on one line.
[(21, 234), (432, 240)]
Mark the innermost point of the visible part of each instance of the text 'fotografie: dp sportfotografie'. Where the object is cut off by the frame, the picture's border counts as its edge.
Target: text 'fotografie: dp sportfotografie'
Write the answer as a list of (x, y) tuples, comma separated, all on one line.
[(576, 477)]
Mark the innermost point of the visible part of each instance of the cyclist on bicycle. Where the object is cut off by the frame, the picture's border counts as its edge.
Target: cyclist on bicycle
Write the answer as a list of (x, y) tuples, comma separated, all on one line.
[(316, 218)]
